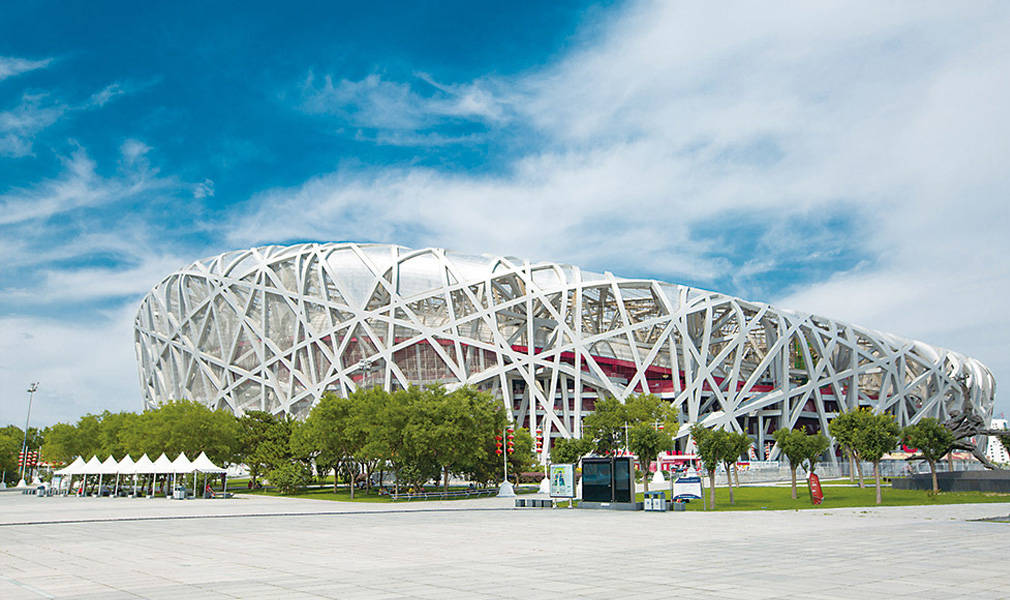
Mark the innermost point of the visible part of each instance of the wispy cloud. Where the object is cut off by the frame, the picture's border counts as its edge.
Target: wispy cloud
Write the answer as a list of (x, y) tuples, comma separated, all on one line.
[(19, 125), (376, 103), (37, 111), (79, 186), (11, 66)]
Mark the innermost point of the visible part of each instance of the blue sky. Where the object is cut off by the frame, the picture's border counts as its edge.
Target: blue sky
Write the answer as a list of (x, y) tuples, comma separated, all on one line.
[(846, 160)]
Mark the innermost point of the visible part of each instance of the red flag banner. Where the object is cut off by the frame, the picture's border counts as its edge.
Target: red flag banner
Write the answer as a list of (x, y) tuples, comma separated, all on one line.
[(816, 494)]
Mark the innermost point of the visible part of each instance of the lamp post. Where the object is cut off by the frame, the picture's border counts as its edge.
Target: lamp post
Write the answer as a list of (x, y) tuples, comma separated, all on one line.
[(24, 443)]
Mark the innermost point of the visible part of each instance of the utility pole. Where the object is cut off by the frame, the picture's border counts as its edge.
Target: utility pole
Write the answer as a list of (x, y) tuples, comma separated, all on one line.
[(24, 442)]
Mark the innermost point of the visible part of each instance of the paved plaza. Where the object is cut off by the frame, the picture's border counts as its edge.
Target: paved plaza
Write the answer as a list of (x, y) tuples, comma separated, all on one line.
[(260, 547)]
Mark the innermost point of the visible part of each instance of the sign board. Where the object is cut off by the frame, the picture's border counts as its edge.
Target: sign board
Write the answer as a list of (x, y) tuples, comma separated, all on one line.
[(687, 487), (816, 494), (563, 480)]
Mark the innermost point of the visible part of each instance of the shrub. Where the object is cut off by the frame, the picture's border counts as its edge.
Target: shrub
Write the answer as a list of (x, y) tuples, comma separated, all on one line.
[(289, 477)]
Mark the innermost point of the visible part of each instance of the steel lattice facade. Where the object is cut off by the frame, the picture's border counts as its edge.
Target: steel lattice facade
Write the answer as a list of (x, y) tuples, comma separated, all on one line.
[(273, 328)]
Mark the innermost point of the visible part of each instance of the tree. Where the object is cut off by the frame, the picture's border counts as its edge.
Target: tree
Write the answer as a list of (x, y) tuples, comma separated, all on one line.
[(877, 435), (646, 443), (10, 445), (261, 442), (816, 444), (570, 450), (606, 425), (386, 425), (799, 448), (843, 428), (288, 477), (735, 444), (931, 439), (333, 431), (711, 445)]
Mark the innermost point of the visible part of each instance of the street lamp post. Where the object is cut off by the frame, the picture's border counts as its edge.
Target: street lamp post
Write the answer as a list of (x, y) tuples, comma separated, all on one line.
[(24, 443)]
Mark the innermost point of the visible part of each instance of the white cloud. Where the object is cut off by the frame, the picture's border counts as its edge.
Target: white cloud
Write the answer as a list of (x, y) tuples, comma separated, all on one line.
[(204, 189), (377, 103), (82, 367), (11, 66), (681, 119), (79, 186), (19, 125)]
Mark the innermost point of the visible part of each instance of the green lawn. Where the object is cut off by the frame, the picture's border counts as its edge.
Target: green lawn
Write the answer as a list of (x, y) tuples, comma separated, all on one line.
[(778, 498), (344, 494)]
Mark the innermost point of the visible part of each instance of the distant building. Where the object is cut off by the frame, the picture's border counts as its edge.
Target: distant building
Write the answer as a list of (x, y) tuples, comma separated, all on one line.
[(274, 328), (995, 451)]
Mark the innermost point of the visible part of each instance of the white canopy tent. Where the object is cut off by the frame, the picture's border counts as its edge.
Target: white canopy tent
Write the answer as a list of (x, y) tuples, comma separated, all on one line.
[(143, 466), (108, 467), (204, 465), (92, 467), (161, 466), (74, 468), (182, 465), (125, 467)]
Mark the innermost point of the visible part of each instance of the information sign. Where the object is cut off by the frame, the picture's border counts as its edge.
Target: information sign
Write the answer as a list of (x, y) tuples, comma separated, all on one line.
[(563, 480)]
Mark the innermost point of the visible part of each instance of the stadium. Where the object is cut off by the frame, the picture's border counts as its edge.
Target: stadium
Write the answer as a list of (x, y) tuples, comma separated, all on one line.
[(275, 327)]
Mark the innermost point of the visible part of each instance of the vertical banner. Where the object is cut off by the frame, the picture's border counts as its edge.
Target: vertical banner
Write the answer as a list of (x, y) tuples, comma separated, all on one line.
[(814, 484), (563, 480)]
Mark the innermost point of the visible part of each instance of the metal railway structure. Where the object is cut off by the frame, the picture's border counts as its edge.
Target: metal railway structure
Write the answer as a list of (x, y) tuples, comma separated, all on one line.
[(273, 328)]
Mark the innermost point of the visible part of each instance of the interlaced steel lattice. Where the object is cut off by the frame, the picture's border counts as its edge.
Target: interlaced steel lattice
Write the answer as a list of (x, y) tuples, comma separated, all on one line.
[(273, 328)]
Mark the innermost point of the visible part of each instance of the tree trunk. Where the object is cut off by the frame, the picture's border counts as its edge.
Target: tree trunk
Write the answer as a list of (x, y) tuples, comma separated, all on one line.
[(792, 470), (932, 469), (852, 465), (396, 484), (445, 480), (876, 475), (352, 473), (729, 480), (859, 470), (645, 478), (711, 489)]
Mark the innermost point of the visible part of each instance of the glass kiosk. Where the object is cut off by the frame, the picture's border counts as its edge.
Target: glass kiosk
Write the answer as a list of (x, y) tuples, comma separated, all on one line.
[(608, 482)]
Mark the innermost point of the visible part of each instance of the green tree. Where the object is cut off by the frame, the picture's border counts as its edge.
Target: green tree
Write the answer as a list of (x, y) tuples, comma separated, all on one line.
[(605, 426), (932, 440), (386, 423), (570, 450), (334, 430), (288, 477), (180, 426), (735, 445), (10, 444), (712, 445), (793, 443), (262, 440), (611, 421), (877, 436), (844, 428), (646, 443), (816, 444)]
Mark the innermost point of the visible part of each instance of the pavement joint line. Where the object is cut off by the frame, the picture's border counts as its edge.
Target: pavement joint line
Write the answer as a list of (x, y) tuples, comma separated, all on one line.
[(254, 515), (26, 586)]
